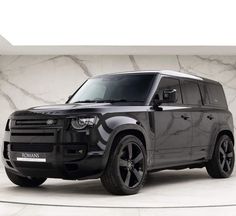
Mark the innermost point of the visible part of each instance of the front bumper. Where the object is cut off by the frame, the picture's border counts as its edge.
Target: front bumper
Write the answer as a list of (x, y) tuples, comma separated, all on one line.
[(52, 152)]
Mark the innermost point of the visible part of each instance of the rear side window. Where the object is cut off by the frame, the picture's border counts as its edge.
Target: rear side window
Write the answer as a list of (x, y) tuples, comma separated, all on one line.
[(169, 83), (216, 95), (191, 93)]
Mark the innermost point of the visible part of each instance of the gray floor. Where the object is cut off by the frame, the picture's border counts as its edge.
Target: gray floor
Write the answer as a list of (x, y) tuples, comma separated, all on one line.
[(168, 193)]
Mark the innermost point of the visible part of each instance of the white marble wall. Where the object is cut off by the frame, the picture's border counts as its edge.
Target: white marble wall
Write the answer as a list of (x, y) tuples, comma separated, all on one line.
[(27, 81)]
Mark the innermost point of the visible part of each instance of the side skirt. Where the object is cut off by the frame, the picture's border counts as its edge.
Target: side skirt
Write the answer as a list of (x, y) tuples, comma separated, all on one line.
[(190, 165)]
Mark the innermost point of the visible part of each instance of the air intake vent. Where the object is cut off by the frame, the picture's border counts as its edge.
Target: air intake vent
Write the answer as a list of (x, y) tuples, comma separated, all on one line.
[(6, 150), (41, 147), (32, 134)]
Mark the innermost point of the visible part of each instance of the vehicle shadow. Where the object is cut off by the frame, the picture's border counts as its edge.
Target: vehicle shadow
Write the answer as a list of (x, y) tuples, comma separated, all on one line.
[(175, 177), (94, 187)]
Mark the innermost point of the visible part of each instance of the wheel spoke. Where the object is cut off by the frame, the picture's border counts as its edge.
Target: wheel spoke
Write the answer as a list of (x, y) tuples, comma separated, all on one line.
[(226, 145), (222, 151), (227, 165), (127, 179), (122, 163), (222, 164), (230, 155), (137, 175), (138, 158), (130, 151)]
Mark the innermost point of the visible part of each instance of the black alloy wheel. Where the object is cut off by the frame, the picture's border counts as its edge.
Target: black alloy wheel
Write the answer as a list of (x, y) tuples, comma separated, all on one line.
[(226, 155), (127, 167), (222, 163), (131, 164)]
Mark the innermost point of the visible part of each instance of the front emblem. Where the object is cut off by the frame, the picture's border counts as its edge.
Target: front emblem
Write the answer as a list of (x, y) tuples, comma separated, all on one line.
[(50, 122)]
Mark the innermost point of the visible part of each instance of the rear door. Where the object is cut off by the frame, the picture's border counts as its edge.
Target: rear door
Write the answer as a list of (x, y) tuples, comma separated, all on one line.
[(173, 128), (206, 122)]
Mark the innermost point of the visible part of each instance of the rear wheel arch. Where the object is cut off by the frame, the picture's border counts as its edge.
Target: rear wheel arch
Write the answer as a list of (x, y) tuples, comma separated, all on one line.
[(221, 164), (225, 132), (220, 134)]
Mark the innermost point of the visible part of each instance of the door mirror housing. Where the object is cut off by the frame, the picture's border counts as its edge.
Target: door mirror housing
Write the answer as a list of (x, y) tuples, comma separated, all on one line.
[(169, 96)]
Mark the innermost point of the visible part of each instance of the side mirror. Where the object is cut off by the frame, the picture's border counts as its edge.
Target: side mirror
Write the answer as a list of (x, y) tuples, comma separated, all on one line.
[(169, 96)]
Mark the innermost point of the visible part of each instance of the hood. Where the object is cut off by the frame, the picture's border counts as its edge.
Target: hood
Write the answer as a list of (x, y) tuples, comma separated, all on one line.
[(65, 107), (75, 108)]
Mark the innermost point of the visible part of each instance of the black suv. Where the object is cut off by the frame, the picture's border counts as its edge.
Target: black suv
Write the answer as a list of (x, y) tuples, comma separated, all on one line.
[(118, 127)]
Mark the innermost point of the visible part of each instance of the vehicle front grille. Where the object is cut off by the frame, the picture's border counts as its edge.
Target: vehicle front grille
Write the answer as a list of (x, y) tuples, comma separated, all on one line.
[(32, 165), (31, 122), (35, 147), (32, 134), (35, 122), (35, 135)]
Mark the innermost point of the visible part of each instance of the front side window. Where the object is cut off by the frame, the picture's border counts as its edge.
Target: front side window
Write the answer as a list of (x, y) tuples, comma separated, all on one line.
[(111, 88), (191, 93), (169, 84)]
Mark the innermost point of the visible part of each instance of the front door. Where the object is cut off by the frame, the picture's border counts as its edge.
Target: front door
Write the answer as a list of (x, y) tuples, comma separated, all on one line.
[(173, 128)]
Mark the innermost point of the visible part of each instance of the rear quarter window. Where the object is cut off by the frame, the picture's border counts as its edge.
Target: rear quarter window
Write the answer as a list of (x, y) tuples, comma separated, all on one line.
[(191, 93), (216, 96)]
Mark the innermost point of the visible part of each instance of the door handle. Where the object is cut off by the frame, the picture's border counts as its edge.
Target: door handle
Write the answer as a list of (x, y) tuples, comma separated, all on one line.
[(210, 117), (185, 117)]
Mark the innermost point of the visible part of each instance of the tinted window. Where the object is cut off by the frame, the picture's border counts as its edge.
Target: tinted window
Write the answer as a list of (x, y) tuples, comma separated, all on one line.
[(216, 95), (203, 89), (169, 83), (191, 93), (128, 87)]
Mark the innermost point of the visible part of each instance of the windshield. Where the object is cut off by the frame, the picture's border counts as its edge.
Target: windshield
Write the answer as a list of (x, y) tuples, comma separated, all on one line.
[(115, 88)]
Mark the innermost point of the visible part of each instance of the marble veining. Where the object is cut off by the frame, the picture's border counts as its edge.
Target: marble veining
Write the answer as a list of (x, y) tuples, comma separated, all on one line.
[(133, 62), (3, 77), (27, 81)]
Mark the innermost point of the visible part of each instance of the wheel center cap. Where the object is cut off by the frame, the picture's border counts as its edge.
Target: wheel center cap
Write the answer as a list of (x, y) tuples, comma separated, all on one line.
[(130, 165)]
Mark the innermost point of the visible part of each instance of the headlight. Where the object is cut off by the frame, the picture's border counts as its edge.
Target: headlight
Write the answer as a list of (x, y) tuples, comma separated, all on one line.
[(82, 122)]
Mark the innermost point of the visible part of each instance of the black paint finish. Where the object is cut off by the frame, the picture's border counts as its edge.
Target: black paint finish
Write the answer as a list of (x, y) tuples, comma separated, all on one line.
[(175, 135)]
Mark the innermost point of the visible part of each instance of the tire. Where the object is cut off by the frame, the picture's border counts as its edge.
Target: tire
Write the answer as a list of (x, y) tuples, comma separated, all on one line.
[(222, 163), (127, 167), (24, 181)]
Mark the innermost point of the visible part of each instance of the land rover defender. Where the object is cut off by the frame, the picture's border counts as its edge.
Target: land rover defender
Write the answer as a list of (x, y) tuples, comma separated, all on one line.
[(118, 127)]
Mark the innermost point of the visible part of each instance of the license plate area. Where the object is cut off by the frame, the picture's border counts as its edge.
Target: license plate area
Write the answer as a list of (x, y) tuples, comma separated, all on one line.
[(31, 157)]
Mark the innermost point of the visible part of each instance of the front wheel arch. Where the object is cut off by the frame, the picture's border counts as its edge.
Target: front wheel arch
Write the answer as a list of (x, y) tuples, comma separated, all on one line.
[(133, 132), (120, 132), (113, 179)]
